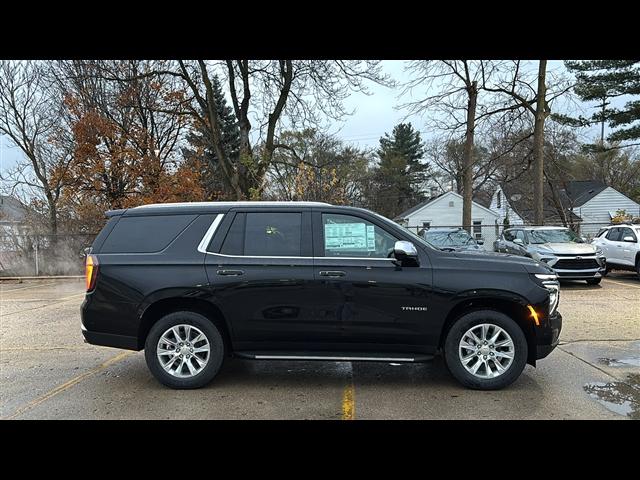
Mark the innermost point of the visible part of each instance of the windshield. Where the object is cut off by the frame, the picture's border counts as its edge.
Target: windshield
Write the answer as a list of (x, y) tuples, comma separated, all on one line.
[(554, 236), (449, 239)]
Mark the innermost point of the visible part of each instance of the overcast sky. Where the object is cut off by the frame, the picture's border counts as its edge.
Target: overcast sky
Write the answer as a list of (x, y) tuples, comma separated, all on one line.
[(373, 115)]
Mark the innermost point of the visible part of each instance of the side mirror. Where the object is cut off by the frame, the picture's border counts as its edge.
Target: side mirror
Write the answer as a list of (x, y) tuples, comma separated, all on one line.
[(518, 241), (480, 241), (406, 253), (629, 239)]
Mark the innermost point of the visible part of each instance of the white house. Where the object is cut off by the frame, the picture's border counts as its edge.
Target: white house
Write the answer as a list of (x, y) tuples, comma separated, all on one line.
[(501, 205), (597, 204), (445, 210)]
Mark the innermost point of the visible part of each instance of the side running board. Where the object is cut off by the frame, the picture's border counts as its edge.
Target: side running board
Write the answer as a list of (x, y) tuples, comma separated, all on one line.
[(338, 356)]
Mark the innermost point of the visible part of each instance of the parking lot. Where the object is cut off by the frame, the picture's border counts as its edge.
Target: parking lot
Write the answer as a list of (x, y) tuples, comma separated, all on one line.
[(47, 372)]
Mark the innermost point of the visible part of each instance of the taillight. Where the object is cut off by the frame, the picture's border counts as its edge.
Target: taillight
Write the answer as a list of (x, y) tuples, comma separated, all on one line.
[(91, 271)]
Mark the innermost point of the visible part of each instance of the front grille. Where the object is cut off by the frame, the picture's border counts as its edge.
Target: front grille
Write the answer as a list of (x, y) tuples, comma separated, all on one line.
[(576, 264)]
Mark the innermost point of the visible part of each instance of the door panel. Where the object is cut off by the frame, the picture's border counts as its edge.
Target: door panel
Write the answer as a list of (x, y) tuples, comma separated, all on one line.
[(270, 297), (368, 300), (368, 295)]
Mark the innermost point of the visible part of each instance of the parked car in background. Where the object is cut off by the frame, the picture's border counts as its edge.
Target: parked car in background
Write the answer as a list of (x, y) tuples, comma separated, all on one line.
[(452, 239), (621, 246), (559, 247)]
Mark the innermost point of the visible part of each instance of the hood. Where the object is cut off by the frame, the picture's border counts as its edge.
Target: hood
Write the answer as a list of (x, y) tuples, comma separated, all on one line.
[(565, 248), (502, 261)]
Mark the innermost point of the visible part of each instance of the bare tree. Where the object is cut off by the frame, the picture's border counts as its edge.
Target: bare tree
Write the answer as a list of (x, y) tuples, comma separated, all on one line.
[(30, 112), (517, 86), (453, 88), (268, 92)]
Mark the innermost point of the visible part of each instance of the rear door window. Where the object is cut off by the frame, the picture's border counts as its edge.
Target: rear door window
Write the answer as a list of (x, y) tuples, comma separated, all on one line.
[(273, 234), (148, 234), (613, 235)]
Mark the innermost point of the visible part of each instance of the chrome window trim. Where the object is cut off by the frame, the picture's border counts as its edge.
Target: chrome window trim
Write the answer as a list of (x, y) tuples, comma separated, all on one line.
[(204, 243)]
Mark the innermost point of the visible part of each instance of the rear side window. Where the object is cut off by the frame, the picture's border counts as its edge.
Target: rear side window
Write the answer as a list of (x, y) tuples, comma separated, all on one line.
[(145, 234), (627, 232), (273, 234)]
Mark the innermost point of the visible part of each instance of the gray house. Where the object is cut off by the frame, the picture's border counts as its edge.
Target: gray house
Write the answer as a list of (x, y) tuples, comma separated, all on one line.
[(588, 203)]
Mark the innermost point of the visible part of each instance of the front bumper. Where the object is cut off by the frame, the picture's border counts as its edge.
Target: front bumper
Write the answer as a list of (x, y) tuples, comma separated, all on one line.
[(565, 274), (549, 337)]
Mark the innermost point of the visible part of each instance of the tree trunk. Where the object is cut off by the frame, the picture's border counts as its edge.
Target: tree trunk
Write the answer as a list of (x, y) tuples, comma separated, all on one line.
[(538, 146), (467, 157)]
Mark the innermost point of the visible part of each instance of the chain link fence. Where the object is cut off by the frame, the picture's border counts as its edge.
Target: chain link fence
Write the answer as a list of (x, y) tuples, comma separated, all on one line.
[(43, 255)]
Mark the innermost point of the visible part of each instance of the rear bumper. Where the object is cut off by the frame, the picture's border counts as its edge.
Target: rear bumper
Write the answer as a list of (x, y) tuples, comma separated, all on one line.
[(110, 340), (550, 336)]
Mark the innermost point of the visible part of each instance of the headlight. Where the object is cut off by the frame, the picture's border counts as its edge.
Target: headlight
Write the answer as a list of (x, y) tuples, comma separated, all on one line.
[(599, 252), (550, 282), (554, 296)]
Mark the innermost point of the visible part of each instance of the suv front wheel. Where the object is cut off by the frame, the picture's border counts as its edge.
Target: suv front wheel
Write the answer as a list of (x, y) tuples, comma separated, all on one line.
[(485, 350), (184, 350)]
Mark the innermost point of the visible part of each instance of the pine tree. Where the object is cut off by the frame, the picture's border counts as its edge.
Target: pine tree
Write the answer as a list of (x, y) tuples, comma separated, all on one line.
[(602, 81), (201, 153), (400, 174)]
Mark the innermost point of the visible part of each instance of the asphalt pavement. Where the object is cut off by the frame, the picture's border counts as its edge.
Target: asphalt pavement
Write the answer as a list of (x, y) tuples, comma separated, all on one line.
[(47, 372)]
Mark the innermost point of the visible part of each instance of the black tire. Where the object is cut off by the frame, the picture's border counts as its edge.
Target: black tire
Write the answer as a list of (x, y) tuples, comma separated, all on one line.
[(216, 355), (594, 281), (638, 267), (452, 342)]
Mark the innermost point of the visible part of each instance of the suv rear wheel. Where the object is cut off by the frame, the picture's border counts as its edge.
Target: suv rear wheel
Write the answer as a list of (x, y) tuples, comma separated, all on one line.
[(485, 350), (184, 350)]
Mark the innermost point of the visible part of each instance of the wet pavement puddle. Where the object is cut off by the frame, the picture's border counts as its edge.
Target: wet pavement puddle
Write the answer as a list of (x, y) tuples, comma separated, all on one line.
[(622, 398)]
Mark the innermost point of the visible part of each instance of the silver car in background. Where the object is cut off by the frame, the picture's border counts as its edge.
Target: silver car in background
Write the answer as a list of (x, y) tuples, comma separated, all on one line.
[(559, 247)]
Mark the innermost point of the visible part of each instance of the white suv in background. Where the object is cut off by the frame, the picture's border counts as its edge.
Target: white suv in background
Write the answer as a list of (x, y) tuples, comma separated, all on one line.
[(620, 245)]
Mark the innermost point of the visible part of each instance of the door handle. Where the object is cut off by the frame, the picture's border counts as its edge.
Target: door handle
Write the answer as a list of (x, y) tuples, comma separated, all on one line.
[(230, 272), (333, 273)]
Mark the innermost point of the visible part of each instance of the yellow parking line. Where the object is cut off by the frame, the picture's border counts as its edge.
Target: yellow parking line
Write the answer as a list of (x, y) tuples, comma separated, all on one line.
[(348, 403), (67, 385), (620, 283)]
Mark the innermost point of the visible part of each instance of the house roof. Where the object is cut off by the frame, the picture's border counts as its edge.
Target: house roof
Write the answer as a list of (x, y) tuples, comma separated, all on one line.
[(417, 207), (11, 210), (522, 204), (580, 192), (411, 210)]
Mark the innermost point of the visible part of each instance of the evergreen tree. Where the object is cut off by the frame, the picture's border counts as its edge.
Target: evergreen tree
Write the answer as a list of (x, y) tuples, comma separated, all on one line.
[(601, 81), (400, 174), (201, 153)]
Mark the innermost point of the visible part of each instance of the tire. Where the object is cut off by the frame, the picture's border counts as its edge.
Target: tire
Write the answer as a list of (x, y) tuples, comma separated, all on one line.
[(208, 363), (594, 281), (452, 347), (638, 267)]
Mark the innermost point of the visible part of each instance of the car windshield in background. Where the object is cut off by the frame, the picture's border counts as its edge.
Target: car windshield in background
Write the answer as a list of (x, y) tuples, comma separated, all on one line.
[(449, 239), (554, 236)]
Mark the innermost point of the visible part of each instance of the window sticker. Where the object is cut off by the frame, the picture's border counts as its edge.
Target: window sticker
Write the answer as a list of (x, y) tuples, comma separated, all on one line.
[(349, 236)]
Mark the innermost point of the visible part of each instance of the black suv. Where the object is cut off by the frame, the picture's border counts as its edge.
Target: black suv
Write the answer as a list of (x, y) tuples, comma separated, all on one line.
[(194, 283)]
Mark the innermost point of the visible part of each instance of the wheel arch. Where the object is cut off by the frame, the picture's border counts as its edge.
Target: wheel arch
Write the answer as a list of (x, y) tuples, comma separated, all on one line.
[(163, 306), (508, 303)]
